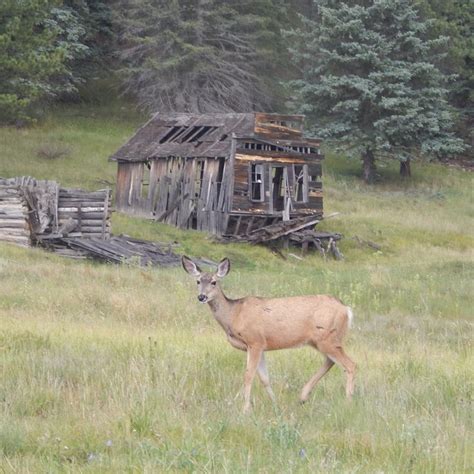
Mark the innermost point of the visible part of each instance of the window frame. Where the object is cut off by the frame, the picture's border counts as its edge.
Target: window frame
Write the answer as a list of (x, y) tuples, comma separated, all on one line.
[(304, 183), (253, 173)]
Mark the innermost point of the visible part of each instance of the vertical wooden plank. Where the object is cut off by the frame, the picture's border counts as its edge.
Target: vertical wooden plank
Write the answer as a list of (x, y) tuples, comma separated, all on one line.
[(305, 183), (163, 188), (106, 212), (201, 200), (214, 212), (174, 189), (230, 182), (152, 187), (226, 175), (224, 223), (161, 192), (237, 225), (135, 191), (269, 188), (250, 225), (304, 247), (56, 210), (290, 170), (79, 217), (186, 205), (123, 185), (156, 176), (287, 203)]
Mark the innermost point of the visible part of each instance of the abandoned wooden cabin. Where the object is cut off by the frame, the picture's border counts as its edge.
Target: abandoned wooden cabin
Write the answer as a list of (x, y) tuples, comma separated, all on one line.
[(222, 173)]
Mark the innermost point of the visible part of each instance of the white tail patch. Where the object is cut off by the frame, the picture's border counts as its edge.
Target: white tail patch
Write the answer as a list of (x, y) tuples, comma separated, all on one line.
[(350, 316)]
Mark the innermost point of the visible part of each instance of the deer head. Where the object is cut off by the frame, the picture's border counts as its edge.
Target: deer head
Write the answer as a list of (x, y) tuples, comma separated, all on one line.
[(208, 283)]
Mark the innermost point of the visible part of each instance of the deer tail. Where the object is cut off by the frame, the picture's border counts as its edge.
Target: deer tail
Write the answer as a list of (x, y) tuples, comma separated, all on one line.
[(350, 316)]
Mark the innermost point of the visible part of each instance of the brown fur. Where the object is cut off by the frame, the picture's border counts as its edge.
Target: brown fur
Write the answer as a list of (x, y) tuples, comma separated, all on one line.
[(256, 325)]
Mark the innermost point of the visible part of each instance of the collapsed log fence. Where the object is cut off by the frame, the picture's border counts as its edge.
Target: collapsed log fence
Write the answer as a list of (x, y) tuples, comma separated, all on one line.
[(14, 213), (77, 223)]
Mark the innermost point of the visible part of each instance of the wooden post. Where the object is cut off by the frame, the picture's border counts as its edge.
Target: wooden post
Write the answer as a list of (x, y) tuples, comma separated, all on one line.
[(106, 211), (79, 216)]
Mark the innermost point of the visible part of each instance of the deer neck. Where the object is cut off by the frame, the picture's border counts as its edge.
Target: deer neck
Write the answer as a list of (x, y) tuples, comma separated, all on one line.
[(221, 308)]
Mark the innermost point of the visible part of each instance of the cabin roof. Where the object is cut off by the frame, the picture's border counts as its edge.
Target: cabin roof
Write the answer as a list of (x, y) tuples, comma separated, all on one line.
[(204, 135)]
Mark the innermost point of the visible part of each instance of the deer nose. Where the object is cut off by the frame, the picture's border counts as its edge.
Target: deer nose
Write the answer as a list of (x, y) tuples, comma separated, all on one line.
[(202, 298)]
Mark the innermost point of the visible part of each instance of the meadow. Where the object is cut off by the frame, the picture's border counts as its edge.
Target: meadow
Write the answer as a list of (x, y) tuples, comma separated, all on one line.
[(108, 369)]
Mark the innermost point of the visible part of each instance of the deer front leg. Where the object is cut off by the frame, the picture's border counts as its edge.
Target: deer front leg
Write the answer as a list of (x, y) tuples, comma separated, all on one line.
[(262, 366), (265, 379), (253, 359)]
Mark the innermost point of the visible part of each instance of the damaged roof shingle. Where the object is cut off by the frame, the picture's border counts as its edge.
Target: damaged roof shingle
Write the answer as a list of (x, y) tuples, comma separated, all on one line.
[(195, 135)]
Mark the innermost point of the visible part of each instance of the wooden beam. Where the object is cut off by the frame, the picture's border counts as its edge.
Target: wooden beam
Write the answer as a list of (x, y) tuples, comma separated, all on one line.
[(273, 159)]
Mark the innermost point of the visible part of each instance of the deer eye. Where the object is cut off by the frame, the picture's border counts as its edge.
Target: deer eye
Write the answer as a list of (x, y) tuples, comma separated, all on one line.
[(213, 283), (198, 282)]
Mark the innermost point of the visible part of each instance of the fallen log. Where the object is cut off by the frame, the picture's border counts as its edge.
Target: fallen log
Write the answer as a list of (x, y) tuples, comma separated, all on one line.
[(18, 239), (9, 223)]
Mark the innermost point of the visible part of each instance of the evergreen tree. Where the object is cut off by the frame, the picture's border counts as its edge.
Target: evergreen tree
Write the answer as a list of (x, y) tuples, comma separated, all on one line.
[(200, 55), (91, 69), (370, 81), (455, 19), (38, 39)]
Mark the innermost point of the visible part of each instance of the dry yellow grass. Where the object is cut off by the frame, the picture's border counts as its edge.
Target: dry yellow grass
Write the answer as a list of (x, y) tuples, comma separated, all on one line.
[(118, 369)]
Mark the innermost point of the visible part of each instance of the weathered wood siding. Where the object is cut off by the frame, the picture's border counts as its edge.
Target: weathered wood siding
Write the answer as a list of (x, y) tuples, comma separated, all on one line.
[(90, 211), (14, 211), (184, 192), (195, 171)]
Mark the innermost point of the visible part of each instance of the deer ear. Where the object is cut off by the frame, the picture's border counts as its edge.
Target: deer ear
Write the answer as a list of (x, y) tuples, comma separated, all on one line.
[(190, 267), (223, 268)]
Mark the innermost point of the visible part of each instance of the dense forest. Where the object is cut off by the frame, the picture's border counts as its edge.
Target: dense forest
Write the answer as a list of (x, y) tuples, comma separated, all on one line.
[(385, 78)]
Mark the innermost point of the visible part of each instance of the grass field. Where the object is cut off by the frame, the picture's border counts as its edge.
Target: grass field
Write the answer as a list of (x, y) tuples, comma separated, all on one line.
[(110, 369)]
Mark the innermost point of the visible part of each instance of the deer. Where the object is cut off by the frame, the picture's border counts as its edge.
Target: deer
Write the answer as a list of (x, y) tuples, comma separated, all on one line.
[(256, 325)]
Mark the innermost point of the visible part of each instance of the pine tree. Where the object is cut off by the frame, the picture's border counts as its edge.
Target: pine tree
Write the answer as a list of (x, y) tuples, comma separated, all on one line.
[(199, 55), (455, 19), (38, 40), (95, 19), (369, 81)]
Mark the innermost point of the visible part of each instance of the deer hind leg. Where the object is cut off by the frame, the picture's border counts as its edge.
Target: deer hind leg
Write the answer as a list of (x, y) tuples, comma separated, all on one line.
[(328, 363), (264, 378), (338, 355), (253, 360)]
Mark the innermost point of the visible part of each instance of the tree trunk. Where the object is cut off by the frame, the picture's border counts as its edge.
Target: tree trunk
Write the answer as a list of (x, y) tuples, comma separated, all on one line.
[(405, 169), (368, 165)]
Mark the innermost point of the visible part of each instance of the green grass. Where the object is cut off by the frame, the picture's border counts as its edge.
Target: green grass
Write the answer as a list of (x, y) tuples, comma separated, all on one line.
[(89, 136), (118, 369)]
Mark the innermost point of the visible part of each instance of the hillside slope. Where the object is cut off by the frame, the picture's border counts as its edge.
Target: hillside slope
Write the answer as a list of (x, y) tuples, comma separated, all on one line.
[(111, 369)]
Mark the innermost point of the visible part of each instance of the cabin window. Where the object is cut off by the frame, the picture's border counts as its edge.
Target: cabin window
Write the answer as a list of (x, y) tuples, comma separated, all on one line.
[(257, 182), (301, 183)]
